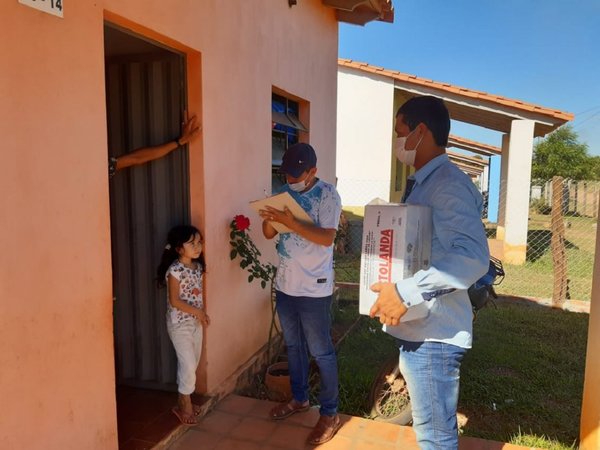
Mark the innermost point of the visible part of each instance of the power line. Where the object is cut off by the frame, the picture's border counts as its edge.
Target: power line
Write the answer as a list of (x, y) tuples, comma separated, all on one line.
[(585, 120), (587, 110)]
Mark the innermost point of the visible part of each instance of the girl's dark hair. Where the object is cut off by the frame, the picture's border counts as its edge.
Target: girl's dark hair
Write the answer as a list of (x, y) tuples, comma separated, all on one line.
[(428, 110), (178, 236)]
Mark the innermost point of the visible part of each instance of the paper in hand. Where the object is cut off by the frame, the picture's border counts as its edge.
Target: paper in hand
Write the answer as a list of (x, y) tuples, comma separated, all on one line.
[(280, 202)]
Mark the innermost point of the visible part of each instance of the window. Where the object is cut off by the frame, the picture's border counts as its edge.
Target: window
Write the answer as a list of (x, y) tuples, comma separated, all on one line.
[(285, 132), (400, 173)]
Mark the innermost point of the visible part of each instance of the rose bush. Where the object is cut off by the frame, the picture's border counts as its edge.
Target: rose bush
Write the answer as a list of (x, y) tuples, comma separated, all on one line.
[(243, 247)]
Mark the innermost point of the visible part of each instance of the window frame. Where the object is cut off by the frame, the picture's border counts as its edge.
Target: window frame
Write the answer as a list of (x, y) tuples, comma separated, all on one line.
[(288, 115)]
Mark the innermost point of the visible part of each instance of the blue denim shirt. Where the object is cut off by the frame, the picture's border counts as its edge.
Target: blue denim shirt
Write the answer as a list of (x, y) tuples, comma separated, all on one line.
[(459, 256)]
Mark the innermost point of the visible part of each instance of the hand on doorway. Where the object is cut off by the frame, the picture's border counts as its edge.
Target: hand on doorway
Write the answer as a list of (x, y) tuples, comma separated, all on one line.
[(189, 129)]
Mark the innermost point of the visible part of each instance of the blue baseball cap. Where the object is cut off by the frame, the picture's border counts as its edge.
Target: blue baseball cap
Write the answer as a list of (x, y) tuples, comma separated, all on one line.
[(298, 159)]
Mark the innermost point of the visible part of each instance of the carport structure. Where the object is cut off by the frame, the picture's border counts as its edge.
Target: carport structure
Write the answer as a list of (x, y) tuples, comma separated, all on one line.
[(473, 166), (518, 121)]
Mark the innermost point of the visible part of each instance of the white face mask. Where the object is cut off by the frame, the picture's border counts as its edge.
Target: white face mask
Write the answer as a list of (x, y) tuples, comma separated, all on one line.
[(406, 156), (300, 185)]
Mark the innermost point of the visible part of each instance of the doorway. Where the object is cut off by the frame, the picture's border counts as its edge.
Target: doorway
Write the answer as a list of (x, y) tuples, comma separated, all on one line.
[(145, 99)]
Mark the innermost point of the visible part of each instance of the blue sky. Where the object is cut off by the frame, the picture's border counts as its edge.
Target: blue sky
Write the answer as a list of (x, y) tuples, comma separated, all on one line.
[(545, 52)]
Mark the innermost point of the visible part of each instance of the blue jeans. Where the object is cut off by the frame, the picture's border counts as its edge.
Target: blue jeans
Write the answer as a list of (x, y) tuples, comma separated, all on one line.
[(432, 374), (306, 325)]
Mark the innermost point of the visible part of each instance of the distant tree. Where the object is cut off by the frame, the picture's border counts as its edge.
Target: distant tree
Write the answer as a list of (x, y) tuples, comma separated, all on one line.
[(595, 167), (561, 153)]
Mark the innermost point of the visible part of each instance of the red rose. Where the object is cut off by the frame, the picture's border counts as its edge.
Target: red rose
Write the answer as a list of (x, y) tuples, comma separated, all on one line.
[(241, 222)]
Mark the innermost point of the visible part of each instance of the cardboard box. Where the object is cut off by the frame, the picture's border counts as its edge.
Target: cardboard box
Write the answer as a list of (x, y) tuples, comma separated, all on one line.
[(396, 244)]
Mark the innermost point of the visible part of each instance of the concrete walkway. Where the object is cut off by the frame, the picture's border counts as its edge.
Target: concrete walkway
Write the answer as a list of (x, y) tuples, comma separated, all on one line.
[(242, 423)]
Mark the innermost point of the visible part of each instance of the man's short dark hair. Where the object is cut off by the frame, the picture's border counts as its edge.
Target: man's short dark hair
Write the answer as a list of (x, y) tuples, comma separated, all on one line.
[(428, 110)]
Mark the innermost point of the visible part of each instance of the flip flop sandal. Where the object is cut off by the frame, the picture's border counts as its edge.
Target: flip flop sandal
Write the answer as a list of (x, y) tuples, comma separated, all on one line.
[(197, 409), (182, 417), (284, 410)]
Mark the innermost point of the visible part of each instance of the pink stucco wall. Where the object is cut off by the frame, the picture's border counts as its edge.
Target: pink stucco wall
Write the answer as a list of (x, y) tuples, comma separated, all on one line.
[(56, 341)]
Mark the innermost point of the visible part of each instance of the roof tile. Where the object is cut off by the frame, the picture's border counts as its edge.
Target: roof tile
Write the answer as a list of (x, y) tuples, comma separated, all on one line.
[(447, 87)]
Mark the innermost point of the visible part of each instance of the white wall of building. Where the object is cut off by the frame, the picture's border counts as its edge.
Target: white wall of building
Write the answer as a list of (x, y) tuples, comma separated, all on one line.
[(364, 136)]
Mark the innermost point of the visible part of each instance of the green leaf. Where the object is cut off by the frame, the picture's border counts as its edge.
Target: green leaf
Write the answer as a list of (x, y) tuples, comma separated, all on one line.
[(263, 283), (233, 254), (562, 154), (250, 278)]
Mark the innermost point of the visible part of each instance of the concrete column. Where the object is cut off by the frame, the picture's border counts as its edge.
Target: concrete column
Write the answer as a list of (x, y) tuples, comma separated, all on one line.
[(484, 178), (589, 431), (500, 231), (494, 189), (518, 180)]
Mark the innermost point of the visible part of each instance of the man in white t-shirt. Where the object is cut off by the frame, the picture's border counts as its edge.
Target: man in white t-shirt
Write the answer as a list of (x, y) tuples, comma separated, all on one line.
[(304, 287)]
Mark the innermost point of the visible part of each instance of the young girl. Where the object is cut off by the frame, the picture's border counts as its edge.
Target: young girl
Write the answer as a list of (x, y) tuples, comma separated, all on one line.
[(181, 269)]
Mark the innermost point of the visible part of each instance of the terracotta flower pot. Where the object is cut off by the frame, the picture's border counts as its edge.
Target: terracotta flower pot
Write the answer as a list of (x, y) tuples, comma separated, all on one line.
[(277, 381)]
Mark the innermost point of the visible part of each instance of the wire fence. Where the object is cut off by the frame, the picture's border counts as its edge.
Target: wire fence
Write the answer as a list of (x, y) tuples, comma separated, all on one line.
[(561, 241)]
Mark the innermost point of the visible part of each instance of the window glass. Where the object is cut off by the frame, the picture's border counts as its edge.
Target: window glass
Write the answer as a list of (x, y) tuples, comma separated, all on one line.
[(286, 127)]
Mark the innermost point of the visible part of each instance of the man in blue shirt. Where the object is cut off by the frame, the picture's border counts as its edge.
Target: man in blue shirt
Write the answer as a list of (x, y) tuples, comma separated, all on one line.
[(432, 348)]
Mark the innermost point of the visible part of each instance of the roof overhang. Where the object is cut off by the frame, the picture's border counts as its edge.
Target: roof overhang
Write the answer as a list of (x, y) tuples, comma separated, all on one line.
[(488, 113), (360, 12), (471, 173), (468, 164), (469, 160), (473, 146), (466, 105)]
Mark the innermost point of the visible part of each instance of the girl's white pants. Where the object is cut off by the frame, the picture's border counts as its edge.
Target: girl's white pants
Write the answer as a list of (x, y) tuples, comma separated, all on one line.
[(187, 339)]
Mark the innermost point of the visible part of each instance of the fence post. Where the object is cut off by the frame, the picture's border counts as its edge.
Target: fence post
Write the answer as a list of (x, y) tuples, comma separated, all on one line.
[(584, 196), (576, 199), (559, 257), (595, 201)]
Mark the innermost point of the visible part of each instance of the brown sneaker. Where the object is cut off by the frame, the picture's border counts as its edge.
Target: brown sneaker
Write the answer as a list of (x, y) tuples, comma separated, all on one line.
[(324, 430)]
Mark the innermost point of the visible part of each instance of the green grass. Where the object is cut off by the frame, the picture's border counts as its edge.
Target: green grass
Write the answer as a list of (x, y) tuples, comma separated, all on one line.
[(354, 212), (524, 375), (347, 268), (521, 383), (532, 440), (359, 358), (536, 278), (344, 313), (528, 280)]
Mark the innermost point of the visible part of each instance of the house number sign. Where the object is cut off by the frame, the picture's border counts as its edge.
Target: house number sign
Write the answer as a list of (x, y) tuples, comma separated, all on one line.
[(54, 7)]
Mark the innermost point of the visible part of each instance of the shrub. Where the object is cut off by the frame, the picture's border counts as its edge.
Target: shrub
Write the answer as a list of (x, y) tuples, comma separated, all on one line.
[(539, 206)]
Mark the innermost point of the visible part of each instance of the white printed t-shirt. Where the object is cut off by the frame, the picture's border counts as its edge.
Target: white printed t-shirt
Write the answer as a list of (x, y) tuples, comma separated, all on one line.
[(305, 268), (190, 290)]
